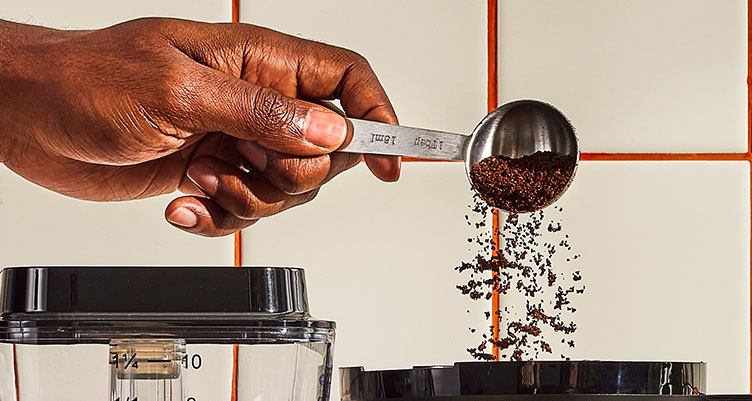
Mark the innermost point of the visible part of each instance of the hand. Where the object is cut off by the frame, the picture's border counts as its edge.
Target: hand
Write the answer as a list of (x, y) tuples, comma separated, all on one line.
[(229, 114)]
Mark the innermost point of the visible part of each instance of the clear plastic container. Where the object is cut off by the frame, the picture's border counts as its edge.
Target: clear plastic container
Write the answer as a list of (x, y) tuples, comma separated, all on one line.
[(148, 334)]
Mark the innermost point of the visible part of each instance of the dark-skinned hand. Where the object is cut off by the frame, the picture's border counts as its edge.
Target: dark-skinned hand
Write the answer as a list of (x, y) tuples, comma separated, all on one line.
[(232, 115)]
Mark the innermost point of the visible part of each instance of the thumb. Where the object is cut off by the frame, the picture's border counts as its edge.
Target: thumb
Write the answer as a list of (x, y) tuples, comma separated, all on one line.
[(250, 112)]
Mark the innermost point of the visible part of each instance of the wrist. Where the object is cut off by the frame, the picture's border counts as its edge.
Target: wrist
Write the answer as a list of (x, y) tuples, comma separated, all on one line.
[(9, 42), (22, 54)]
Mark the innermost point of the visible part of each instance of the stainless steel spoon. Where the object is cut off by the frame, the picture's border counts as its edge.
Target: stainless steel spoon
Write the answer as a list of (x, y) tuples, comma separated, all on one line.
[(515, 129)]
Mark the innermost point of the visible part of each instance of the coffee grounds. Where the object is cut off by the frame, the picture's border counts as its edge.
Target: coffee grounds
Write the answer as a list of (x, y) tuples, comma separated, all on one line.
[(524, 265), (524, 184)]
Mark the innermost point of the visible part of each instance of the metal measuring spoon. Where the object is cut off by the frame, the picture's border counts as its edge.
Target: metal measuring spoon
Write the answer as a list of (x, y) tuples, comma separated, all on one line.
[(515, 129)]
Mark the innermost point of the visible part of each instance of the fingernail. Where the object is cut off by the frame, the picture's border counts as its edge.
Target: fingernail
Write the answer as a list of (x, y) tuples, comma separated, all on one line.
[(324, 128), (183, 217), (203, 176), (253, 153)]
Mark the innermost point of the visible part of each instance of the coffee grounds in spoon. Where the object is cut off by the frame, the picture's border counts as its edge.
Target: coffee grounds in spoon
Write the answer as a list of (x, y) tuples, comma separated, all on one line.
[(524, 184)]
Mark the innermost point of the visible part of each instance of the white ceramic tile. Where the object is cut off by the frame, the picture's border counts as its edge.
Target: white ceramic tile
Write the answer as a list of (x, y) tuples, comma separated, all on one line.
[(7, 373), (79, 14), (632, 75), (430, 55), (380, 261), (40, 227), (665, 259)]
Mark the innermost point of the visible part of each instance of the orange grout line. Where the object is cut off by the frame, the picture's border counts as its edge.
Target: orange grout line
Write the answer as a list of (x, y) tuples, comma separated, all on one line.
[(237, 256), (493, 67), (636, 157), (238, 244), (665, 156), (15, 374), (749, 76), (749, 152), (238, 248), (234, 388), (492, 102)]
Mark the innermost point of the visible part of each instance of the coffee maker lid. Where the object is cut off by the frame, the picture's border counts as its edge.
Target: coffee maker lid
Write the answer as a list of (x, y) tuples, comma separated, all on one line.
[(79, 292)]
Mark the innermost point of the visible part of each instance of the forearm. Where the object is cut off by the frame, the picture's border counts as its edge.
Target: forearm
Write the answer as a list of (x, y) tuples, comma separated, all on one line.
[(22, 54)]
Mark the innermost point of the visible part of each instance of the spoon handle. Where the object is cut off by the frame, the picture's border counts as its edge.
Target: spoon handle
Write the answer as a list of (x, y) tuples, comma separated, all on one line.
[(386, 139)]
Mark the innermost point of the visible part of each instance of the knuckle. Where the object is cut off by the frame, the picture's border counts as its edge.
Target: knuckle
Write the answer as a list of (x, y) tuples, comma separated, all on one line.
[(290, 184), (360, 64), (272, 112), (249, 208), (353, 159), (310, 195), (298, 175), (355, 58), (174, 89)]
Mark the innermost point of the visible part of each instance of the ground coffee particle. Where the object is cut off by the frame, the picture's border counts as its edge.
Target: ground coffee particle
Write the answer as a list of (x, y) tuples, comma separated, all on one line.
[(524, 184), (525, 265)]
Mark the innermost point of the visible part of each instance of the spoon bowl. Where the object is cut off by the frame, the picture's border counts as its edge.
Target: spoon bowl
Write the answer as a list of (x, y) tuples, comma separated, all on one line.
[(521, 128)]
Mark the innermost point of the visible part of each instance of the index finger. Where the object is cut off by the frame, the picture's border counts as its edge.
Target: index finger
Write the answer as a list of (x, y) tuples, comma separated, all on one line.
[(346, 75)]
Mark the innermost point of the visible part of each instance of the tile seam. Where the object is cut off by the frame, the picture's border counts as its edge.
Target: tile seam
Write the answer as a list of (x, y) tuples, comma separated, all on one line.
[(596, 156), (238, 236), (237, 254), (492, 35), (749, 157)]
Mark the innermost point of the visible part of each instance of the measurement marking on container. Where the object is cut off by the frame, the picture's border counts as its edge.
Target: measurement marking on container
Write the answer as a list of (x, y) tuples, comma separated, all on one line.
[(195, 361), (130, 362), (158, 361)]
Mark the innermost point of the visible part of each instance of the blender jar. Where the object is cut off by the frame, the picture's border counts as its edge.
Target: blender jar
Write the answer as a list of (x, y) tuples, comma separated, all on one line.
[(161, 333)]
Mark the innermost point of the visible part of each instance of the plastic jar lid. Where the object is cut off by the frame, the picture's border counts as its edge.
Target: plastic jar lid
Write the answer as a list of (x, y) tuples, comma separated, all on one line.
[(198, 304)]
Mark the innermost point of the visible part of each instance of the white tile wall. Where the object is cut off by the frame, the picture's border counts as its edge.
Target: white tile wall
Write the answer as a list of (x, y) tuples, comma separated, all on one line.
[(379, 261), (41, 227), (632, 75), (8, 384), (86, 14), (430, 55), (665, 261)]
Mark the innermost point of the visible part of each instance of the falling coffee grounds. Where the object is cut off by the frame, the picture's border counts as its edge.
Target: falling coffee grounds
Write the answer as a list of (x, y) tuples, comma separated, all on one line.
[(532, 271), (524, 184)]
